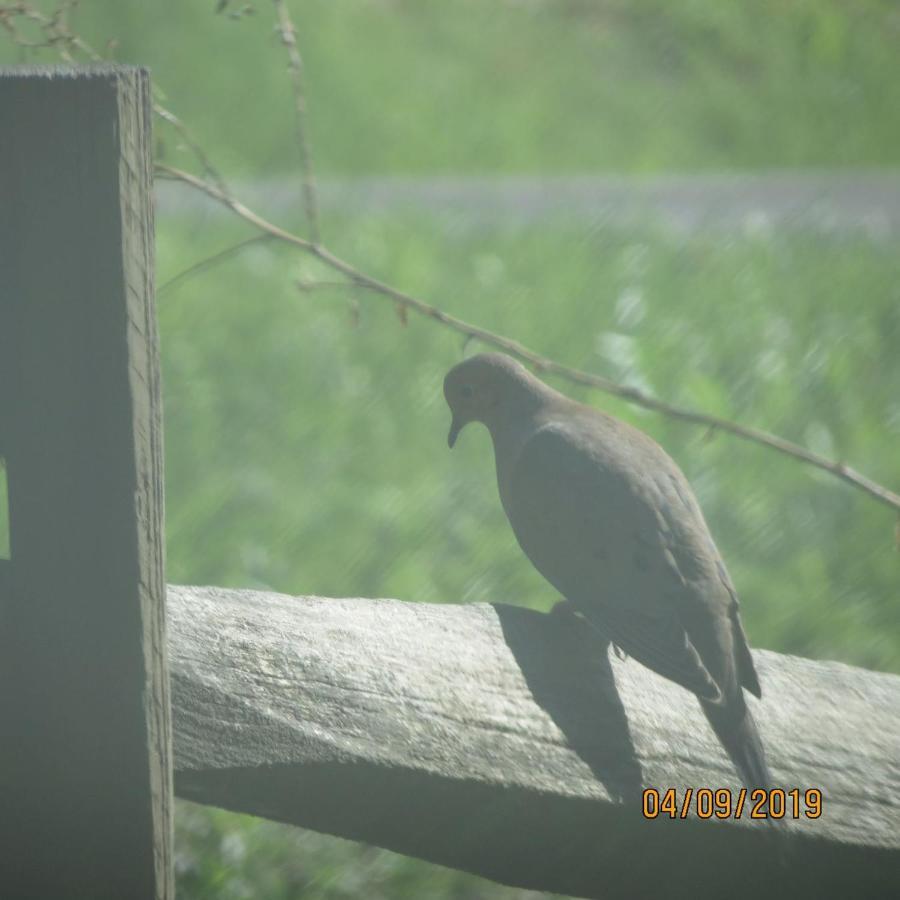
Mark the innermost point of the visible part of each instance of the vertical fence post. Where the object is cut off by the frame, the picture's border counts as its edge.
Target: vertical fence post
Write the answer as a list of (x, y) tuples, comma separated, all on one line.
[(85, 762)]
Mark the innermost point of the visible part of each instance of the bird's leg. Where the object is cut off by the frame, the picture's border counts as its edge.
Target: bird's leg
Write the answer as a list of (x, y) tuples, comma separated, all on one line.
[(564, 608), (567, 609)]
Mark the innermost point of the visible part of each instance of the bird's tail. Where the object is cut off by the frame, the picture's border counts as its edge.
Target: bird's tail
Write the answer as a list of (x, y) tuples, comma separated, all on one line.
[(736, 730)]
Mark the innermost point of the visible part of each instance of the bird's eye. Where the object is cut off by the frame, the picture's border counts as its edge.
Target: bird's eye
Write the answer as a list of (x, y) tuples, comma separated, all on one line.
[(467, 391)]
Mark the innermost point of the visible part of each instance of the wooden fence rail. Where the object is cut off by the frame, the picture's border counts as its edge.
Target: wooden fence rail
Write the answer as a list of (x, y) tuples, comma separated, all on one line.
[(498, 740)]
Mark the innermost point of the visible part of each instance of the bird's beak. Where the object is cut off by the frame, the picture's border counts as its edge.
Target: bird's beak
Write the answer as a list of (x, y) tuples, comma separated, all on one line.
[(455, 428)]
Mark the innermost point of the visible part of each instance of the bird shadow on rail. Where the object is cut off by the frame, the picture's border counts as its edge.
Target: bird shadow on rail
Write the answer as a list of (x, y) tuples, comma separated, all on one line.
[(566, 666)]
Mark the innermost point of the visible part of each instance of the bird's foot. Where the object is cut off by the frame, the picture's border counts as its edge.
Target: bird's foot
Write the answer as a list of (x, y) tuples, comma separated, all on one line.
[(564, 609)]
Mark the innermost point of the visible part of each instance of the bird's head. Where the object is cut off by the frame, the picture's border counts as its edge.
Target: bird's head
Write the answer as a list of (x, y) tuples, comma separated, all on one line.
[(479, 388)]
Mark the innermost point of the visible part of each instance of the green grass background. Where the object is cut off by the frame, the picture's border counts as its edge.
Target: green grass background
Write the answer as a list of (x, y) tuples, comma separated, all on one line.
[(306, 445)]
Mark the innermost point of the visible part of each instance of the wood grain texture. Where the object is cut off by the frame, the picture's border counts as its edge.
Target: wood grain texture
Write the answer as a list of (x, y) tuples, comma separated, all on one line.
[(85, 763), (502, 741)]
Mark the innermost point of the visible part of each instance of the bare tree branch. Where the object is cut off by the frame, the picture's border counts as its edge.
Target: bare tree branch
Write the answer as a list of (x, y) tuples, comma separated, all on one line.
[(59, 37), (295, 64), (541, 363), (226, 198)]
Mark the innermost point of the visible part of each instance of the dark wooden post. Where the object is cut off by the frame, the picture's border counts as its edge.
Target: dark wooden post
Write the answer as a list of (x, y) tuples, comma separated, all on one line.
[(85, 761)]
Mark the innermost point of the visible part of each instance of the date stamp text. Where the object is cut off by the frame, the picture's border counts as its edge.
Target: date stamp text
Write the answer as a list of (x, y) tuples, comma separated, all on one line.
[(721, 803)]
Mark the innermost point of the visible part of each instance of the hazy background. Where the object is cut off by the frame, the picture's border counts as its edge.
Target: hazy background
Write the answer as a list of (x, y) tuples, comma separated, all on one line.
[(306, 436)]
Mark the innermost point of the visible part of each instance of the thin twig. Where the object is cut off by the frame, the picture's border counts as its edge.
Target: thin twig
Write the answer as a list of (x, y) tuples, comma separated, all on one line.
[(199, 153), (211, 261), (542, 363), (295, 64), (307, 286)]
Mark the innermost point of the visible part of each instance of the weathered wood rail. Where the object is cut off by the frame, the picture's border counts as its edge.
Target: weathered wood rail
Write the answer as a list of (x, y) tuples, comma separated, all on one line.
[(494, 739)]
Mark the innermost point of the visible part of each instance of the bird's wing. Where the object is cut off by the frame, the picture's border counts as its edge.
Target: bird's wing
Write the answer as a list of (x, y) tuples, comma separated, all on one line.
[(583, 513), (708, 589)]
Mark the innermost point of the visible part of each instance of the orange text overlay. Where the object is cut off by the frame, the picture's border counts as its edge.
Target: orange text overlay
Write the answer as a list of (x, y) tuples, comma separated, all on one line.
[(721, 803)]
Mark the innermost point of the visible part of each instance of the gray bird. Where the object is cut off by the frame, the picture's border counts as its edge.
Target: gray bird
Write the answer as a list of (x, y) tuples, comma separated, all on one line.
[(608, 518)]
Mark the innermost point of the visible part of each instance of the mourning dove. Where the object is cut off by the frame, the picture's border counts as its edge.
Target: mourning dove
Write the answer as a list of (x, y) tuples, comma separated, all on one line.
[(608, 518)]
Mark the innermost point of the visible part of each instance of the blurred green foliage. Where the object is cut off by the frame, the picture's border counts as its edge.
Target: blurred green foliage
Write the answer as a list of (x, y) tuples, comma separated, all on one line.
[(305, 438), (400, 86)]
